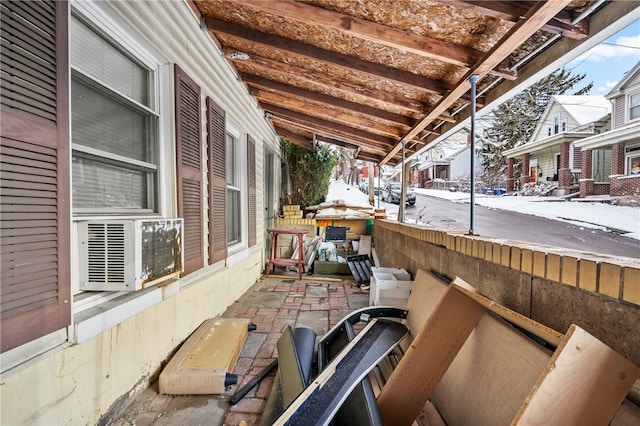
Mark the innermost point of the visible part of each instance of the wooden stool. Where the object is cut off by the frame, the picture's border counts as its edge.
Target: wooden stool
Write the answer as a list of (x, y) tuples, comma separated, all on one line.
[(274, 260)]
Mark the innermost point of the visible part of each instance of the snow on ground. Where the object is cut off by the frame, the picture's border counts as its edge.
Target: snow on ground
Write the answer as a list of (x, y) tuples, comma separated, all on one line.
[(587, 214)]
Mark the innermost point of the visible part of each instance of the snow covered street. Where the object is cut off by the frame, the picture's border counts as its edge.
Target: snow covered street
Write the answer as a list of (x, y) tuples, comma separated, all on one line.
[(588, 214)]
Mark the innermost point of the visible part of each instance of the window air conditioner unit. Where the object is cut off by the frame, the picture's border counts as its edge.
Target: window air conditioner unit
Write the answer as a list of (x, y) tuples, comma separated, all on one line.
[(129, 255)]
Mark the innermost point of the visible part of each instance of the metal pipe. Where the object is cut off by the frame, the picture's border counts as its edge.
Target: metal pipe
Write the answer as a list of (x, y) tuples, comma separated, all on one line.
[(403, 194), (473, 80)]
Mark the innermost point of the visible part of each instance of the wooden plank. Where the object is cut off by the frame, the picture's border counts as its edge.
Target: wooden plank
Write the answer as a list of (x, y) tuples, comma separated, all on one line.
[(200, 366), (584, 382), (365, 244), (428, 358), (427, 290)]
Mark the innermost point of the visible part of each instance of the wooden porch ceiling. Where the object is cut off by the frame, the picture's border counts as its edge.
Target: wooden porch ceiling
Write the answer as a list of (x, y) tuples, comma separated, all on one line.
[(370, 74)]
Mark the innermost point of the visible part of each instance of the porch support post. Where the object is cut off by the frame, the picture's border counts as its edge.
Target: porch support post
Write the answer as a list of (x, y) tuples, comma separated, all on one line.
[(617, 159), (510, 180), (525, 178), (473, 80), (564, 172), (587, 182)]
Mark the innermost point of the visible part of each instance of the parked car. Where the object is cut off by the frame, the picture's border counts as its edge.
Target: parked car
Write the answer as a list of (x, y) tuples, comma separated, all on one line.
[(391, 193)]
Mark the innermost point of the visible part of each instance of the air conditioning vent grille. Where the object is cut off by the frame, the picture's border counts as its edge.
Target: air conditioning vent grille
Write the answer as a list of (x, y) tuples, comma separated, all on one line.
[(161, 249), (106, 260)]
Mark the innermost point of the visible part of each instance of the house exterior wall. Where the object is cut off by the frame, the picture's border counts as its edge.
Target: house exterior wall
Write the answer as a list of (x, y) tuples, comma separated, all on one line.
[(546, 163), (619, 112), (112, 351), (541, 131)]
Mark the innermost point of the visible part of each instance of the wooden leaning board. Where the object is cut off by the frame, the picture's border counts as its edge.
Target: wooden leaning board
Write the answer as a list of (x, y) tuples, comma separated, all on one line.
[(584, 381), (204, 361)]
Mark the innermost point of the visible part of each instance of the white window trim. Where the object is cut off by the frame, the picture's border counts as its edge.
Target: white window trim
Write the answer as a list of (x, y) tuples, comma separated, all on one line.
[(233, 250), (629, 152), (627, 109)]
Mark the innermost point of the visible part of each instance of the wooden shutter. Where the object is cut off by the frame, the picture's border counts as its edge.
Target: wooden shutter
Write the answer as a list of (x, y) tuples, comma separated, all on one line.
[(189, 168), (251, 179), (217, 182), (34, 171)]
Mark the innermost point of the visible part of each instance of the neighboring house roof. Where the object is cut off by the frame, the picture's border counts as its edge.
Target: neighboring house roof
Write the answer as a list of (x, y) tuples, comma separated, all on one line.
[(583, 109), (628, 76)]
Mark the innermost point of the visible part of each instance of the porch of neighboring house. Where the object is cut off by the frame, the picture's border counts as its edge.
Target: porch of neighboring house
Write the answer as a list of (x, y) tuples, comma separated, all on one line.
[(553, 162)]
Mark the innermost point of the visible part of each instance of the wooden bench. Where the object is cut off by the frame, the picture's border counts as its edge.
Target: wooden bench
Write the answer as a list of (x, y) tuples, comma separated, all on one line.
[(473, 362)]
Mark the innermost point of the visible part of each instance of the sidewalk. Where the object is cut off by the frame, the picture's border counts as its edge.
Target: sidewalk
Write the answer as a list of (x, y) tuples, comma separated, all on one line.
[(272, 304)]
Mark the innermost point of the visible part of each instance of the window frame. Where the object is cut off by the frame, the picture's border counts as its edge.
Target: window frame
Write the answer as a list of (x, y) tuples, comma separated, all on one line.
[(631, 156), (125, 42), (240, 187), (628, 108)]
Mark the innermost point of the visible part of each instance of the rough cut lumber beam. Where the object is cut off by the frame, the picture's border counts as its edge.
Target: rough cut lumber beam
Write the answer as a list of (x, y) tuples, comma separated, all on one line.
[(287, 89), (270, 67), (512, 11), (540, 13), (335, 115), (387, 36), (319, 123), (290, 47), (329, 135), (296, 138)]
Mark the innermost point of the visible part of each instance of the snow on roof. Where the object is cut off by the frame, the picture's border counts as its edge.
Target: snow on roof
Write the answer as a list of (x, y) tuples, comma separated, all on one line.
[(584, 109)]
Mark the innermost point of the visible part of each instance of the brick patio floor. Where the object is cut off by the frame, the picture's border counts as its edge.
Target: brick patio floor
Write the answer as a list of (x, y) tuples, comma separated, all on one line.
[(271, 304)]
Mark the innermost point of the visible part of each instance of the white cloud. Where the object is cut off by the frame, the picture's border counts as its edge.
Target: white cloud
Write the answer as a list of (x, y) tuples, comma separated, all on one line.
[(623, 47)]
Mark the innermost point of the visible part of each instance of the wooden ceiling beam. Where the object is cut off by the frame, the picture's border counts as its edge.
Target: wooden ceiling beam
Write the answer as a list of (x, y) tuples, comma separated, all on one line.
[(295, 138), (290, 47), (513, 10), (333, 115), (289, 90), (426, 47), (339, 142), (270, 68), (539, 14), (320, 125)]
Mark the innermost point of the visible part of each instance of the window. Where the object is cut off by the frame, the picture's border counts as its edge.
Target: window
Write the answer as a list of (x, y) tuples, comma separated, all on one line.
[(234, 189), (634, 106), (114, 125), (601, 159), (556, 124), (632, 160)]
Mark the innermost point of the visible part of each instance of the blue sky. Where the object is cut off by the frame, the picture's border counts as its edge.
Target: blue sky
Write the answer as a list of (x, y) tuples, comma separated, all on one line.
[(607, 63)]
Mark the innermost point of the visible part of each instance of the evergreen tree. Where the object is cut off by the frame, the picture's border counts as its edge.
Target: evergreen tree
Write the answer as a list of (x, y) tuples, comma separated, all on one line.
[(512, 123)]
